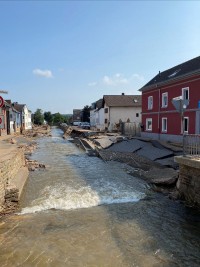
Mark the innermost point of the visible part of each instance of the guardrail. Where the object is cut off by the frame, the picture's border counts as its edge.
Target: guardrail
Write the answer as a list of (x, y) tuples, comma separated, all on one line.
[(191, 145)]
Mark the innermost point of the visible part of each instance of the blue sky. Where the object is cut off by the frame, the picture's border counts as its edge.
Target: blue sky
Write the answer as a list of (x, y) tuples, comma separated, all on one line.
[(61, 55)]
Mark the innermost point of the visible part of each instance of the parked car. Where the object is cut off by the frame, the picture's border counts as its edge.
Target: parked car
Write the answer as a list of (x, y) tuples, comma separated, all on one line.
[(85, 125), (76, 123)]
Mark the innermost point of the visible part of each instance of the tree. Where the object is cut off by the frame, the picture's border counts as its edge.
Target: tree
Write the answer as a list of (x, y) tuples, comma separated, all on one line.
[(58, 118), (39, 117), (48, 117), (86, 114)]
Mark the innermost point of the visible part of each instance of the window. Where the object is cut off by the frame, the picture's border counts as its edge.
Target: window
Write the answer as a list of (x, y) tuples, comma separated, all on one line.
[(164, 100), (185, 93), (137, 114), (149, 124), (150, 102), (185, 124), (164, 124), (106, 110), (106, 120)]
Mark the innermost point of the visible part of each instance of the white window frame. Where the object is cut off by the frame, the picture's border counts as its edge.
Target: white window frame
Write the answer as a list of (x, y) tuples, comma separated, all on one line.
[(164, 105), (150, 102), (186, 118), (183, 94), (147, 121), (164, 125)]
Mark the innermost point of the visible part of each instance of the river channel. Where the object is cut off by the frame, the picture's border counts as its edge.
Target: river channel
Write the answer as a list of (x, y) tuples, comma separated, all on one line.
[(82, 211)]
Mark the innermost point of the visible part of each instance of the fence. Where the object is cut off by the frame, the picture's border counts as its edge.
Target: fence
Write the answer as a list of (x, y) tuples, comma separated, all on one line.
[(130, 128), (191, 145)]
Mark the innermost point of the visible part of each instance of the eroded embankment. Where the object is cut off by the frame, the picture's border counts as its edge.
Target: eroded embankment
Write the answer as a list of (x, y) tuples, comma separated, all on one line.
[(15, 165), (13, 176), (146, 158)]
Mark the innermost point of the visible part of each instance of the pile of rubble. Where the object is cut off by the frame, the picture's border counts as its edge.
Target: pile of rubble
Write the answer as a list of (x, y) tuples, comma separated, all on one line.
[(34, 164), (151, 160), (38, 131)]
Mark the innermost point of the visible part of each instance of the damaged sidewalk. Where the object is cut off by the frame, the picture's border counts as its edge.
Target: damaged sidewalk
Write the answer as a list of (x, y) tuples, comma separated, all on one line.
[(151, 160)]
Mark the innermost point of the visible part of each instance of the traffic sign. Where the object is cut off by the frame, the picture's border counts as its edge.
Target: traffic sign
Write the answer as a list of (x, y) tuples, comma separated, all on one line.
[(1, 121), (180, 104), (1, 101)]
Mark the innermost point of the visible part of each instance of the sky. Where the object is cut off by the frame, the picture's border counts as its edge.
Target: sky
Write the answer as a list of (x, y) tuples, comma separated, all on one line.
[(63, 55)]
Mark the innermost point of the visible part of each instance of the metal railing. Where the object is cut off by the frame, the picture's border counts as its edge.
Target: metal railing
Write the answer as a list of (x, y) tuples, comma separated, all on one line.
[(191, 145)]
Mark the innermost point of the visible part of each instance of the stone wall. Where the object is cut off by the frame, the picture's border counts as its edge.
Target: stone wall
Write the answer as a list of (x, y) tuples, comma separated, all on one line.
[(189, 178), (12, 161)]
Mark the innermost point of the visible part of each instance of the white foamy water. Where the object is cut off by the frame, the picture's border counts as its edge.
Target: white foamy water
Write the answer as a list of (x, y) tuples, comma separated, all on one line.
[(66, 198)]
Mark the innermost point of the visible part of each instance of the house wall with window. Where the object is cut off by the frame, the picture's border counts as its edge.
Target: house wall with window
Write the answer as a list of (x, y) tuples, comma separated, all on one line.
[(157, 107), (97, 116), (121, 108), (100, 117)]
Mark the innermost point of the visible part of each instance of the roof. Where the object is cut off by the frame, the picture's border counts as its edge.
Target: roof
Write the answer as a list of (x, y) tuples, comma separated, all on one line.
[(7, 104), (18, 107), (99, 103), (123, 100), (178, 72)]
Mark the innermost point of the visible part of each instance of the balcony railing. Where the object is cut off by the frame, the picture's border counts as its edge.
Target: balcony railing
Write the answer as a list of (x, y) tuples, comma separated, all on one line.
[(191, 145)]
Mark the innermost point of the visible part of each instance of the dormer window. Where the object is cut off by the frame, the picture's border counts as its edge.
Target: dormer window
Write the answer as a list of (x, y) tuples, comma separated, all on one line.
[(173, 74)]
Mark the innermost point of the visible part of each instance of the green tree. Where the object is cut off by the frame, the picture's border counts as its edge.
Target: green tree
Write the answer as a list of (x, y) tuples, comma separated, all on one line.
[(39, 117), (86, 113), (58, 118), (48, 117)]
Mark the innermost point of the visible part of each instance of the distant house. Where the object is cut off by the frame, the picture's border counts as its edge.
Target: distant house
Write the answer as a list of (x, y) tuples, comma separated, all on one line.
[(121, 108), (77, 113), (25, 113), (97, 115), (13, 118), (159, 117), (5, 129)]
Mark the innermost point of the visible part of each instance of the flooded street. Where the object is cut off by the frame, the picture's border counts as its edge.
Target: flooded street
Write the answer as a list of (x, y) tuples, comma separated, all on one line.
[(82, 211)]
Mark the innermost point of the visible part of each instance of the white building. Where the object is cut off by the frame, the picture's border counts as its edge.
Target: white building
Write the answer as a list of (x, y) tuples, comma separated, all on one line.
[(121, 108), (26, 122)]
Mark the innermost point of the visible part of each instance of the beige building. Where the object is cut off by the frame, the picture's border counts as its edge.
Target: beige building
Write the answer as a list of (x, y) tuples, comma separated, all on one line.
[(121, 108)]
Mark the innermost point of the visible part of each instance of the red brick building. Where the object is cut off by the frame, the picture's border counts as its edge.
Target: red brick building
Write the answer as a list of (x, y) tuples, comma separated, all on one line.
[(160, 119)]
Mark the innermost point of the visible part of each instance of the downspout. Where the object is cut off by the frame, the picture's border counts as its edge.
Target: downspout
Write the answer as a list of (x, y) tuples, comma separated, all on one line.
[(159, 115)]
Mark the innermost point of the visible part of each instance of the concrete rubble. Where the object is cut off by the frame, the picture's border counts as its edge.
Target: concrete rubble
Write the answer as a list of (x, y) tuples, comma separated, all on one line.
[(151, 160)]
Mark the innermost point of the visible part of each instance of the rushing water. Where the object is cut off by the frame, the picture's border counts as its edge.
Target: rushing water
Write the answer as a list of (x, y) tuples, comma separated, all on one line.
[(82, 211)]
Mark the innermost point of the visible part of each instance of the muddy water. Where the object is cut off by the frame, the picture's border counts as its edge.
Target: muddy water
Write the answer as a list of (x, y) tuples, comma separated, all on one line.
[(82, 211)]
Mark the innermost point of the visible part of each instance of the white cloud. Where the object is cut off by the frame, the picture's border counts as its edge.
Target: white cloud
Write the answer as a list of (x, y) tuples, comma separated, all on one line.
[(115, 80), (108, 81), (92, 83), (119, 79), (43, 73), (138, 77)]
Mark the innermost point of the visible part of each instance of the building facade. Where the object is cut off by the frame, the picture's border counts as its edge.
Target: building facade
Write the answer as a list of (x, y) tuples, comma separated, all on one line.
[(160, 118), (121, 108)]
